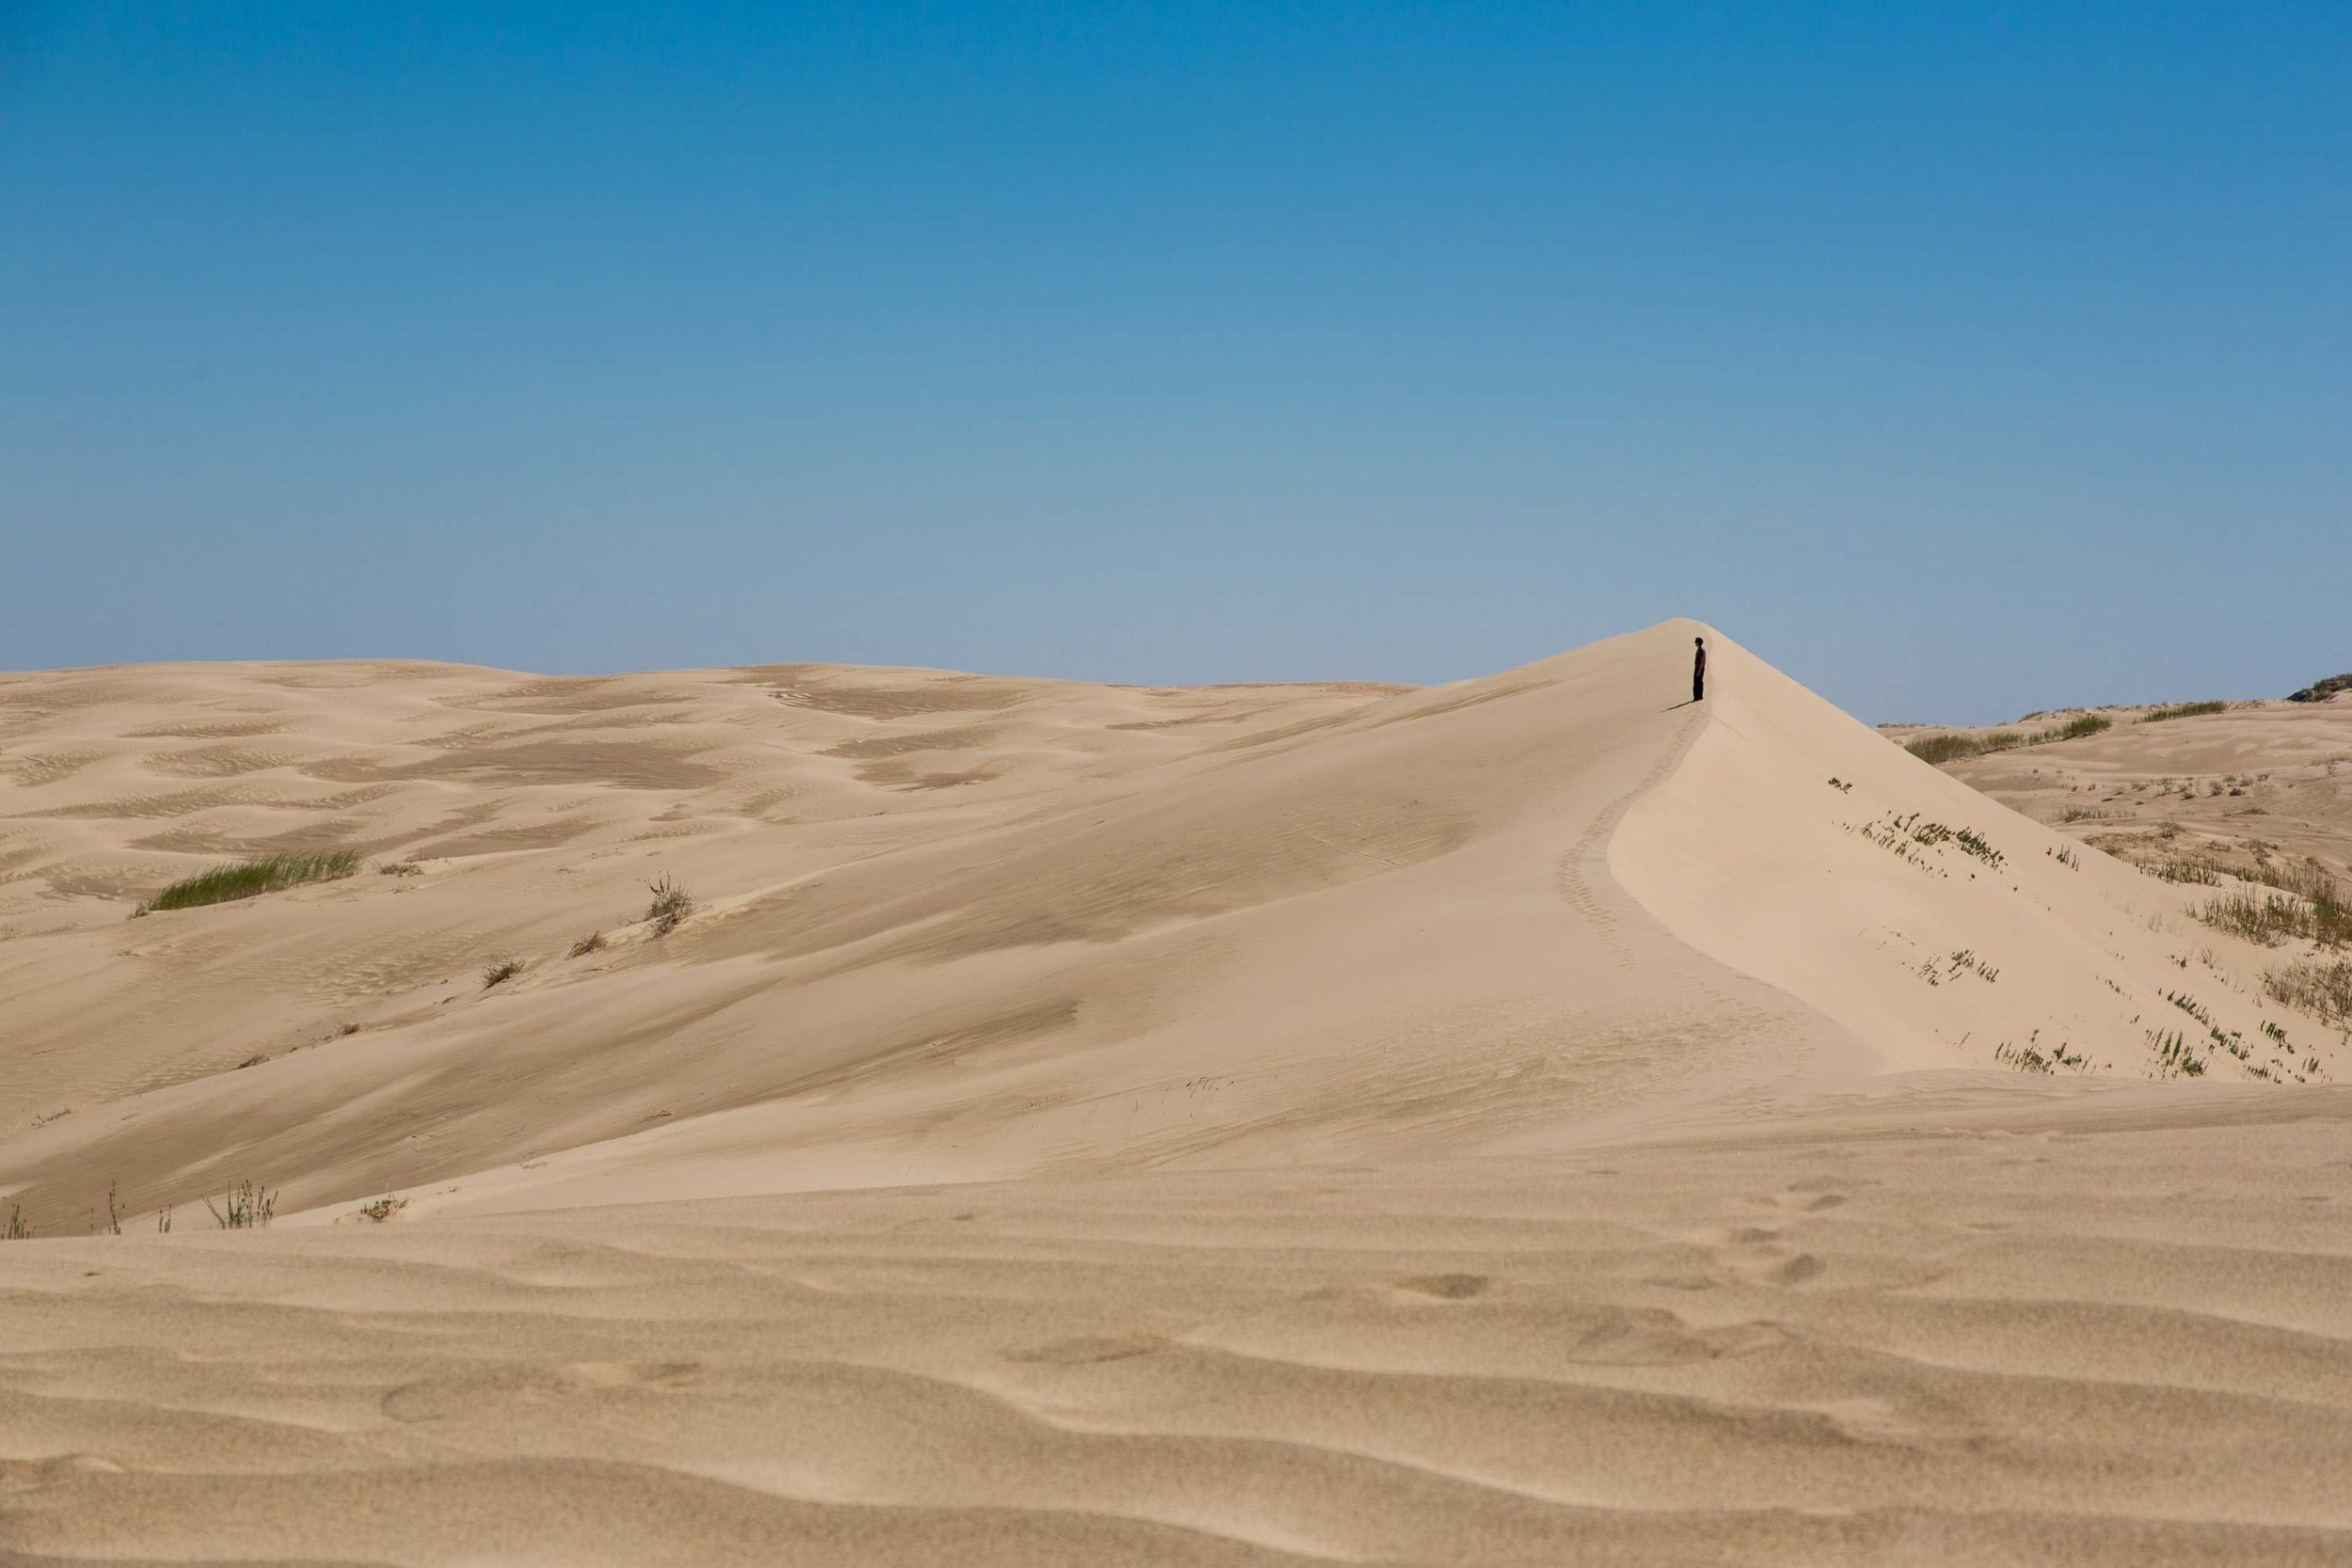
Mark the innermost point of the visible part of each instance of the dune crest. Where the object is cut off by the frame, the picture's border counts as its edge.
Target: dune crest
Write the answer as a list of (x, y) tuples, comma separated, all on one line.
[(1797, 845)]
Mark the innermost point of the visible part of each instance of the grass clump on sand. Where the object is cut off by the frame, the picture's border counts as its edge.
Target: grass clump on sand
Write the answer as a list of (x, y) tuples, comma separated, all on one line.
[(2175, 1058), (2030, 1057), (1940, 749), (671, 904), (592, 943), (501, 968), (250, 879), (2073, 729), (1944, 747), (2182, 710), (382, 1209), (246, 1207), (2322, 692), (2309, 906), (2324, 990)]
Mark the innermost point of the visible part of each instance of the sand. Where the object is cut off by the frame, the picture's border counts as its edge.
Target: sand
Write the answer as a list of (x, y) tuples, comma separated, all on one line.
[(2265, 784), (1531, 1120)]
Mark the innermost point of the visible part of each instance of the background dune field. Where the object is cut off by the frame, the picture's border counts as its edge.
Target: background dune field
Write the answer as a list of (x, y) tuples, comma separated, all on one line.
[(1527, 1120)]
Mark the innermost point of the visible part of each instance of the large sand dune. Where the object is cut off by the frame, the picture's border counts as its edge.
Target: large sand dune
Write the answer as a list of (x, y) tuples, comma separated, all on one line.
[(1529, 1120)]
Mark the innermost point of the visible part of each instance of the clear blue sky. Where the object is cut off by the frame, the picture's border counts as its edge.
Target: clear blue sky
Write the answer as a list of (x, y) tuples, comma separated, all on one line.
[(1960, 359)]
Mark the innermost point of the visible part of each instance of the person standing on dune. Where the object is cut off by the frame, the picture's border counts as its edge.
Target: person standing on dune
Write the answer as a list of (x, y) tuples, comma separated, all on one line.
[(1698, 672)]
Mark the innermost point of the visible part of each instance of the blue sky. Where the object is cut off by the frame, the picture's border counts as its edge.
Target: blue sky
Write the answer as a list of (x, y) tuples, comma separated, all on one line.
[(1960, 359)]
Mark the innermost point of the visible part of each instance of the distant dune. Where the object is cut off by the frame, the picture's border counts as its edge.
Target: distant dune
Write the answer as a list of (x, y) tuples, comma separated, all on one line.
[(2260, 784), (1529, 1120)]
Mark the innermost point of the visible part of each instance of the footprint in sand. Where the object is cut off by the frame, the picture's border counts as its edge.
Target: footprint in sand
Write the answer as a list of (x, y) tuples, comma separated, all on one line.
[(1685, 1279), (1806, 1198), (1830, 1183), (589, 1376), (26, 1475), (1446, 1287), (1798, 1270), (466, 1393), (1088, 1349), (1652, 1336)]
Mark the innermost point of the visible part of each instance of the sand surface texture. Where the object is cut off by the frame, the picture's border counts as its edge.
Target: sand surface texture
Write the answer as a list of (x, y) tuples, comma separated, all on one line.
[(1529, 1120)]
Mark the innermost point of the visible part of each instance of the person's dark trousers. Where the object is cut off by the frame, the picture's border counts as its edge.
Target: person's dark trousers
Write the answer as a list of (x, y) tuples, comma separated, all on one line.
[(1698, 689)]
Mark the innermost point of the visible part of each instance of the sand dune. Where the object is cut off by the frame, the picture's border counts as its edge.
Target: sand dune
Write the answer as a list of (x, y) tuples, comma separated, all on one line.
[(1534, 1119), (2265, 782)]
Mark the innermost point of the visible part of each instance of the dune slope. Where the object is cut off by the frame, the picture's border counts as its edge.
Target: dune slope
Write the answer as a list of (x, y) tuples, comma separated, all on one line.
[(1528, 1120), (1266, 926), (1919, 1330), (1930, 919)]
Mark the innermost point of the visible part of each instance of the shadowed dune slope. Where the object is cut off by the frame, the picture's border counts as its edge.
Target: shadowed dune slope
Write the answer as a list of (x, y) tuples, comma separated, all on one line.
[(1929, 918)]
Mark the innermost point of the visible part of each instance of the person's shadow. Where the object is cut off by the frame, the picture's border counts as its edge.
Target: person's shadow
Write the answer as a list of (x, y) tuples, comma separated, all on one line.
[(1685, 702)]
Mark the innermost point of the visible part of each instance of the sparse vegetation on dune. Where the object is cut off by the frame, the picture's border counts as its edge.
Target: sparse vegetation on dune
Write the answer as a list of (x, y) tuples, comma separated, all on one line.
[(2073, 729), (2319, 987), (250, 879), (2182, 710), (671, 904), (2175, 1058), (2031, 1057), (1940, 749), (1944, 747), (245, 1206), (501, 968), (593, 942), (1907, 837), (2323, 691), (2268, 921), (382, 1209), (2309, 906)]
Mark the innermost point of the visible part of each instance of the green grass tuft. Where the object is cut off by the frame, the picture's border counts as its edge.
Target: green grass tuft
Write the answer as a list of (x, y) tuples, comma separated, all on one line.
[(247, 1207), (2089, 724), (1940, 749), (1944, 747), (250, 879), (2182, 710)]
